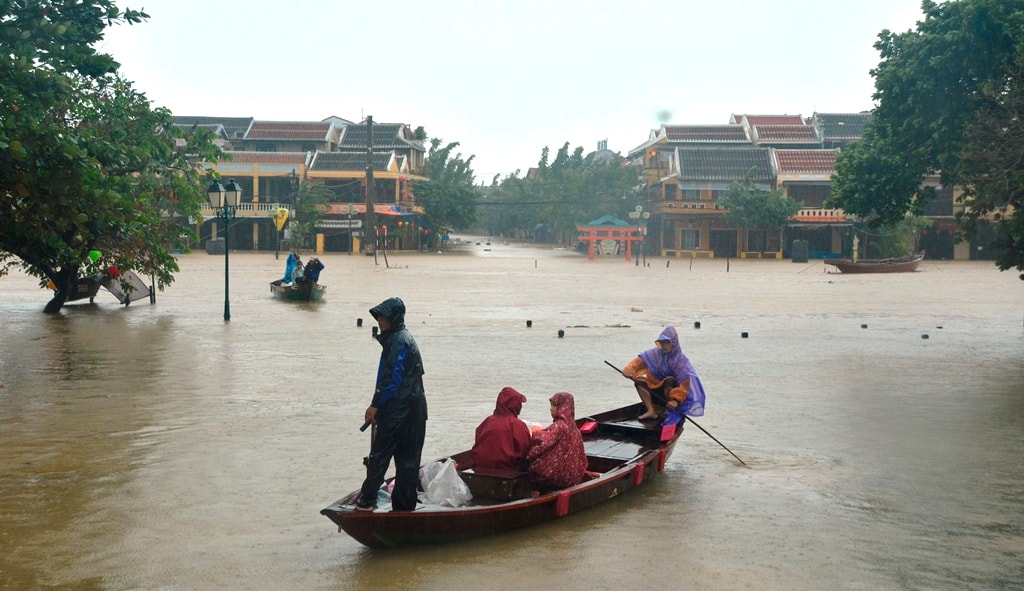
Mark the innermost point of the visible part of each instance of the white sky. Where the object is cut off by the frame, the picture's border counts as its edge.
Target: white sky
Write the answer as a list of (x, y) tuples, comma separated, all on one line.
[(507, 78)]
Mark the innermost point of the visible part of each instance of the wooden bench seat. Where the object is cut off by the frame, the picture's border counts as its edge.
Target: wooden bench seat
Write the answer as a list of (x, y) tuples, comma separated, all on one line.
[(497, 485)]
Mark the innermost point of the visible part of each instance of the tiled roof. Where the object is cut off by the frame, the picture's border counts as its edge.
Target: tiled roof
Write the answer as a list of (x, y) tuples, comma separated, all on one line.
[(606, 220), (842, 126), (385, 136), (802, 134), (706, 134), (709, 164), (351, 161), (289, 130), (753, 120), (233, 126), (295, 158), (806, 161)]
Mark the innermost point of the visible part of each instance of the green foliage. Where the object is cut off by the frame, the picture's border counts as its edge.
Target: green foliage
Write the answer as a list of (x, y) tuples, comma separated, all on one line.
[(750, 207), (949, 98), (992, 172), (449, 198), (85, 162), (310, 203), (567, 191), (892, 241)]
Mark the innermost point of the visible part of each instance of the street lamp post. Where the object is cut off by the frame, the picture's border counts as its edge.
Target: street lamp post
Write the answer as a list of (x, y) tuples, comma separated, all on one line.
[(225, 203), (641, 218), (351, 231)]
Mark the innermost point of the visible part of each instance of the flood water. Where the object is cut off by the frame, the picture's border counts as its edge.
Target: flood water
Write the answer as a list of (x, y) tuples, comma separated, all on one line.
[(881, 418)]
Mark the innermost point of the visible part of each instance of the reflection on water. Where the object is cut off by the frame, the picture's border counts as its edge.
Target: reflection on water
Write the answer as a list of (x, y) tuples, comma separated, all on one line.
[(158, 447)]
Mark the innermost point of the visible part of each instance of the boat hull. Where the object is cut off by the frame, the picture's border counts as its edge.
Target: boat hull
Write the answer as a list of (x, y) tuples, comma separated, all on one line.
[(303, 292), (611, 474), (897, 265)]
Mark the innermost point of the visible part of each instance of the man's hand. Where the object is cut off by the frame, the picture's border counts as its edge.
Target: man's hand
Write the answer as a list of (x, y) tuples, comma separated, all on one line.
[(371, 414)]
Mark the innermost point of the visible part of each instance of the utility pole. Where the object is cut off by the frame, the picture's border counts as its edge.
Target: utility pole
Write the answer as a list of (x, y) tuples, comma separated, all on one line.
[(371, 222)]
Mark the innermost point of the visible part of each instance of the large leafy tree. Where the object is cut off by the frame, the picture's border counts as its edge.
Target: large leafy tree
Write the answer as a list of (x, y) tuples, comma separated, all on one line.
[(449, 198), (753, 208), (310, 203), (949, 104), (85, 162), (570, 189)]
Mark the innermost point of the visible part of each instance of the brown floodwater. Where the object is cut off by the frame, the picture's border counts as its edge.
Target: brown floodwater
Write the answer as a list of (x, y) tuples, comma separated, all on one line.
[(881, 418)]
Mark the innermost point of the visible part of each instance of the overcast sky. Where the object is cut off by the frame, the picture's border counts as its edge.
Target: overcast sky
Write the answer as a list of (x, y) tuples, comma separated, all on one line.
[(507, 78)]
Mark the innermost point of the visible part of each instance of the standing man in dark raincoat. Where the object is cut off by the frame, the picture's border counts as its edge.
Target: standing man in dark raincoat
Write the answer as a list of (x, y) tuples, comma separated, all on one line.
[(398, 409)]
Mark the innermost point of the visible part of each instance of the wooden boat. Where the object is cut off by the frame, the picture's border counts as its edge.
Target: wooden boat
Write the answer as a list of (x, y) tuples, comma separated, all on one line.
[(622, 453), (894, 265), (307, 291)]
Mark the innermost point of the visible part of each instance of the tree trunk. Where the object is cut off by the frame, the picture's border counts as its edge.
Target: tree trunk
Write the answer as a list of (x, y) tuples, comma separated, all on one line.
[(66, 282)]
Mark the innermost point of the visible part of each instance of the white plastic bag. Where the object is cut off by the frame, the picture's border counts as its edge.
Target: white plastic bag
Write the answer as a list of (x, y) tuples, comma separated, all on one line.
[(442, 485)]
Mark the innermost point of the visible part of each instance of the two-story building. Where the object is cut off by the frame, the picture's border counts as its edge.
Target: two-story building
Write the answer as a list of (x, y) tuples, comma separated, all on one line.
[(688, 168), (270, 159)]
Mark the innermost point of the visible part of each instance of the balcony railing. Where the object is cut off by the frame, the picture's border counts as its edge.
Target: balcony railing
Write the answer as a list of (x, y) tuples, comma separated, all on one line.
[(817, 214), (246, 209)]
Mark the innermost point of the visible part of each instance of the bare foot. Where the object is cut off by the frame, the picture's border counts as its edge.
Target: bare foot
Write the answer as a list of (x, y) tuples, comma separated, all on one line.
[(647, 416)]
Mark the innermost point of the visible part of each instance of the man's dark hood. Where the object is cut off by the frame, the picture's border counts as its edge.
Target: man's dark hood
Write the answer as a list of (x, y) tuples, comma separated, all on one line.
[(393, 309)]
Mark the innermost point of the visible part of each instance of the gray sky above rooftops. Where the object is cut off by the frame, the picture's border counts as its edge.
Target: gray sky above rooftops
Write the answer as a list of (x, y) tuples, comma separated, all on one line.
[(507, 78)]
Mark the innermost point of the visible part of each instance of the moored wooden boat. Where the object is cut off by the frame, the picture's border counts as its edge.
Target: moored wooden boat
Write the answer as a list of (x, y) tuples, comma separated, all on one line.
[(622, 453), (86, 287), (307, 291), (894, 265)]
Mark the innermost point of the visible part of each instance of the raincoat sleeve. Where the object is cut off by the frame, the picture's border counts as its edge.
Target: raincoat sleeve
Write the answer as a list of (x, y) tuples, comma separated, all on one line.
[(681, 391), (389, 376), (635, 368)]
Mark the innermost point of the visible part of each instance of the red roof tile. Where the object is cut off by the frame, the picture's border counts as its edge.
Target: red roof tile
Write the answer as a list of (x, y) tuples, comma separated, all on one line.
[(296, 158), (785, 133), (806, 161), (753, 120)]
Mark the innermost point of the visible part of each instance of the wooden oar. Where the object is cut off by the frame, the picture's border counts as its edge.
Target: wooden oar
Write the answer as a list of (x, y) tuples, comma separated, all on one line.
[(636, 381)]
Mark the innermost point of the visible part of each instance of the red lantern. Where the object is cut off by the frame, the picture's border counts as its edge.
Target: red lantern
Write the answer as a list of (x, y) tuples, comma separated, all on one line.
[(399, 224)]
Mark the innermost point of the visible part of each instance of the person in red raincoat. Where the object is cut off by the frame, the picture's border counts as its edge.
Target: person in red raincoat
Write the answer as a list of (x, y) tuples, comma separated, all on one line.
[(557, 458), (502, 439)]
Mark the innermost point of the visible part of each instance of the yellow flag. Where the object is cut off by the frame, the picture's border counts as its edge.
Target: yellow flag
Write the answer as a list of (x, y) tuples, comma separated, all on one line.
[(280, 216)]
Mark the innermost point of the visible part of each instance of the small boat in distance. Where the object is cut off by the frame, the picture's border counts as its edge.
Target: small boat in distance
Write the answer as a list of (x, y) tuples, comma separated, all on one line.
[(307, 291), (622, 453), (904, 264)]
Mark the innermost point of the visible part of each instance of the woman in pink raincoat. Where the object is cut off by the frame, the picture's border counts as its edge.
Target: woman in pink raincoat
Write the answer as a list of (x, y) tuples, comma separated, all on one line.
[(557, 458)]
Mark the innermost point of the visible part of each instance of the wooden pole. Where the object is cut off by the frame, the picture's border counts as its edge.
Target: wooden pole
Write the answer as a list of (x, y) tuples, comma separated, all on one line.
[(371, 218)]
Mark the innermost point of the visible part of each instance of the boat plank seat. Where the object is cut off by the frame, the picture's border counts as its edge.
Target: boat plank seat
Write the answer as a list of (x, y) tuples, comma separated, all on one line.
[(647, 431), (498, 485), (619, 441)]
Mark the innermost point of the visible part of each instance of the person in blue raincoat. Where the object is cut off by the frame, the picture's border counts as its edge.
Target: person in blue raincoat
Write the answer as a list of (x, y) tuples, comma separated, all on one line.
[(289, 266), (398, 411), (664, 375), (313, 268)]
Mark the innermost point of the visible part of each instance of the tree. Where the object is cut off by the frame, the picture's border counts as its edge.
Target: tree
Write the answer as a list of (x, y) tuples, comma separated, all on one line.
[(948, 104), (753, 208), (310, 203), (449, 198), (564, 192), (85, 163)]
